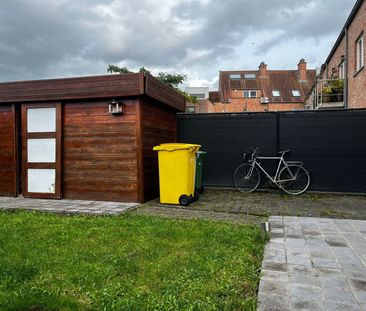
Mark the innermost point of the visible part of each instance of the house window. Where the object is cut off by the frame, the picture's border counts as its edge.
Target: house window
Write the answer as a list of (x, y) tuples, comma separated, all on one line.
[(276, 93), (235, 76), (359, 52), (250, 76), (191, 109), (295, 93), (341, 71), (250, 94)]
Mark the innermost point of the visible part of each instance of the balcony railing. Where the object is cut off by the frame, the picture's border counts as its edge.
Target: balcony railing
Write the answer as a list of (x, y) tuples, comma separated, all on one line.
[(328, 94)]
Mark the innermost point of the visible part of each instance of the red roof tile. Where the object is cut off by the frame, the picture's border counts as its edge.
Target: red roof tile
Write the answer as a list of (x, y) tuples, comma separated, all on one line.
[(281, 80)]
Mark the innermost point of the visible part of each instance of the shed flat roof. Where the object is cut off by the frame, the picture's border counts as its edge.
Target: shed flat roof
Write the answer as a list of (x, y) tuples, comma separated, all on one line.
[(106, 86)]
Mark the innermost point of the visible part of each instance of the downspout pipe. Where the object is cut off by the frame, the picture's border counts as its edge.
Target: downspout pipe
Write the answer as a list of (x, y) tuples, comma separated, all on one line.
[(345, 93)]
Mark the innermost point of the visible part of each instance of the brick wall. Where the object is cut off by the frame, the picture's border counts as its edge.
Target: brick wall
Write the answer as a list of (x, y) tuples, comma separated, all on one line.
[(252, 105), (285, 107), (240, 104), (335, 61), (356, 81)]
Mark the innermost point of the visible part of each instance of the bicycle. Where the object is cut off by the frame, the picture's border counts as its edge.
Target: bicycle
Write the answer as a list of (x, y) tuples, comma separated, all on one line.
[(290, 176)]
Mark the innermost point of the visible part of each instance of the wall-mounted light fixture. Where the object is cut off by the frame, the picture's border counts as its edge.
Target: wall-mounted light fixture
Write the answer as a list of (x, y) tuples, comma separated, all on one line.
[(115, 107)]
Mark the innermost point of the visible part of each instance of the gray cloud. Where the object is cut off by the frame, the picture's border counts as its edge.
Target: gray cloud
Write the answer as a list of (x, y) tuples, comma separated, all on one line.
[(229, 22), (44, 38)]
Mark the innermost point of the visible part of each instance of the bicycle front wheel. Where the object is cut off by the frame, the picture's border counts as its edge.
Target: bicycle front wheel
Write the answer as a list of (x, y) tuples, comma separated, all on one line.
[(294, 179), (246, 178)]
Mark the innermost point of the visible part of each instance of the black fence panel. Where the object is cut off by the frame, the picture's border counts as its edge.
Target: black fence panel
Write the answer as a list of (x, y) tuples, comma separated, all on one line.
[(332, 144), (225, 137)]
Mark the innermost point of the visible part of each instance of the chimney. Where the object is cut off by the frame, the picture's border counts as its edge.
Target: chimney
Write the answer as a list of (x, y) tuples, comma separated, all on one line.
[(263, 69), (301, 67)]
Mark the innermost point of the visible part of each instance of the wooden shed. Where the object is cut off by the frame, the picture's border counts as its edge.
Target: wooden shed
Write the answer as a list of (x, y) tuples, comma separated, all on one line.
[(85, 138)]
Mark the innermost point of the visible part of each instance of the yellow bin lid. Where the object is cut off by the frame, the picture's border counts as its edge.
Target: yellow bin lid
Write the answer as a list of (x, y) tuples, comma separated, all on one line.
[(176, 146)]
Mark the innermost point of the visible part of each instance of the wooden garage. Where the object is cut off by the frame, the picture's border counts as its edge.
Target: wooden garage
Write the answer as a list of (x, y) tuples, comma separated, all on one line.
[(85, 138)]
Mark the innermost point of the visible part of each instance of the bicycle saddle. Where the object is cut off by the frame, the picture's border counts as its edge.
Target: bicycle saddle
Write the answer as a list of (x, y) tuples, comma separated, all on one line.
[(284, 151)]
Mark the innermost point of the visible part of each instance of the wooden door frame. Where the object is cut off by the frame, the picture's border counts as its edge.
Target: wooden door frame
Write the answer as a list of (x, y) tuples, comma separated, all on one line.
[(15, 158), (57, 165)]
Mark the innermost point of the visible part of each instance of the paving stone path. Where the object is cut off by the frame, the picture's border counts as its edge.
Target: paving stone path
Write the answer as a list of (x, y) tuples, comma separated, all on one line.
[(66, 206), (314, 264)]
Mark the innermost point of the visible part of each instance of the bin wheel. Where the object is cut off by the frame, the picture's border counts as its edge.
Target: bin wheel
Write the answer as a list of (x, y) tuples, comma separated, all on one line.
[(196, 196), (201, 190), (184, 200)]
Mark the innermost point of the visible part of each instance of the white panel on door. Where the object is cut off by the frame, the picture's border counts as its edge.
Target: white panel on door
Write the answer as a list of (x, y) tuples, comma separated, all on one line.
[(41, 120), (42, 150), (41, 180)]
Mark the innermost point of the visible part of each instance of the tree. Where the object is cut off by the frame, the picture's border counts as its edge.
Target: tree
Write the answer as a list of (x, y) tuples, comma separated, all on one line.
[(169, 79), (172, 80), (116, 69), (144, 70)]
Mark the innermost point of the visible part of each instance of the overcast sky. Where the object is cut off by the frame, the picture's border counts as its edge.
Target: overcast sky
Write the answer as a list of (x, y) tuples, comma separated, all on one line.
[(63, 38)]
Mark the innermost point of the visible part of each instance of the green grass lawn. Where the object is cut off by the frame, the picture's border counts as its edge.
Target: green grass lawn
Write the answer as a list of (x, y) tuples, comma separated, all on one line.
[(130, 262)]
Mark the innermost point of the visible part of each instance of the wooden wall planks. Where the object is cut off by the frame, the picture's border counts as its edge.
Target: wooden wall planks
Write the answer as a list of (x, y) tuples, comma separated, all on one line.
[(99, 152), (158, 125), (95, 87), (7, 151), (161, 92), (104, 157), (73, 88)]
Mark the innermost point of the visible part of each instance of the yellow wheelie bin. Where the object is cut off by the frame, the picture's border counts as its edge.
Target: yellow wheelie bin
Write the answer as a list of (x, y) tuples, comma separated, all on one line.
[(177, 172)]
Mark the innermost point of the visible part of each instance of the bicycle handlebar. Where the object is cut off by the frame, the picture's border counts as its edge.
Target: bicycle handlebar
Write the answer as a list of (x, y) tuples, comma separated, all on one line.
[(252, 151)]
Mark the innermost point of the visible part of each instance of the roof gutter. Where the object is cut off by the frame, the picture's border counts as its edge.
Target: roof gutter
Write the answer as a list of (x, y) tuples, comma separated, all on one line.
[(345, 87)]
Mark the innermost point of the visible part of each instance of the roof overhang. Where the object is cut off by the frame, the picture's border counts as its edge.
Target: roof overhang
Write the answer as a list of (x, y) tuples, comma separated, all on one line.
[(93, 87)]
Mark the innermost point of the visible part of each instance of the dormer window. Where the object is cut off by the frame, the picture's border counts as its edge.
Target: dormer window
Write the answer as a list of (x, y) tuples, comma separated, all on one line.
[(249, 76), (296, 93), (276, 93), (235, 76)]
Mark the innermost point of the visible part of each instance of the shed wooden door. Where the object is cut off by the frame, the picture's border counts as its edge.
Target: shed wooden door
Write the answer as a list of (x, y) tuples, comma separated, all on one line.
[(8, 186), (41, 149)]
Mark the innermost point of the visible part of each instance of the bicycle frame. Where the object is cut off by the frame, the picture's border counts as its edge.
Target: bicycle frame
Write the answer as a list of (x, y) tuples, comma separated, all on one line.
[(281, 163)]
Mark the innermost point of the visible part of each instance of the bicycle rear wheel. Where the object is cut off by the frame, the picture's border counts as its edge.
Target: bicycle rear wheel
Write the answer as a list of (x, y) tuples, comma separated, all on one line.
[(246, 179), (294, 179)]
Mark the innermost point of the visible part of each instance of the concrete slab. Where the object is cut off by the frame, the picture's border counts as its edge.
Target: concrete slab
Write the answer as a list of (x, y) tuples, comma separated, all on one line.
[(318, 265), (66, 206)]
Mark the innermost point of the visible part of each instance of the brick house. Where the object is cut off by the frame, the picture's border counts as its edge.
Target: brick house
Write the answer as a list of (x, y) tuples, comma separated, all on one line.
[(201, 93), (262, 90), (345, 63)]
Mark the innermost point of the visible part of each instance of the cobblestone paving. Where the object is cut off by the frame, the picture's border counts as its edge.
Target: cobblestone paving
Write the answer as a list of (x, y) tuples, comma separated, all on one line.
[(265, 204), (314, 264), (66, 206)]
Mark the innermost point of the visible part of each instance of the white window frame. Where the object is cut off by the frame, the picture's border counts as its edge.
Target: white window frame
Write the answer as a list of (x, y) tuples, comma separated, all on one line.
[(359, 53), (341, 70), (250, 76), (274, 92), (296, 93), (235, 76), (250, 93)]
